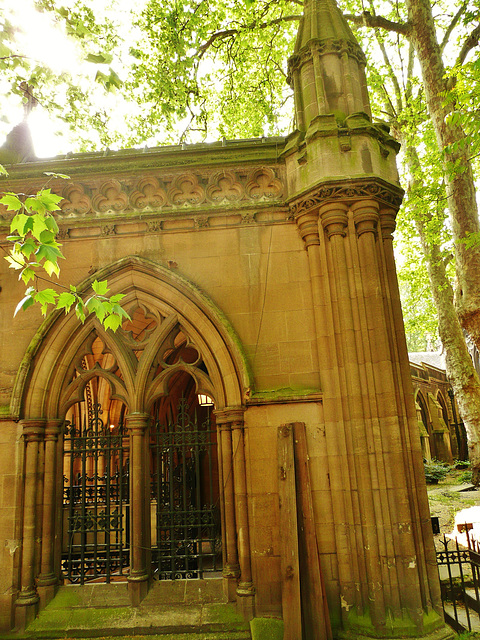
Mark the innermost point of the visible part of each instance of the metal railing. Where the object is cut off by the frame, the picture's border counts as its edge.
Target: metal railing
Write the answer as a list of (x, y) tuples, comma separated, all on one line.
[(461, 590)]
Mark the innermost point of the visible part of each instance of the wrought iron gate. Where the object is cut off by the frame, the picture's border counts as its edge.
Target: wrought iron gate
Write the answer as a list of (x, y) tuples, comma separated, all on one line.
[(95, 500), (185, 522)]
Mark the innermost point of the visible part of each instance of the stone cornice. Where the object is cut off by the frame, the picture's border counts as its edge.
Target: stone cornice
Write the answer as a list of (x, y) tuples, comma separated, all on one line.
[(345, 191), (179, 194), (222, 154)]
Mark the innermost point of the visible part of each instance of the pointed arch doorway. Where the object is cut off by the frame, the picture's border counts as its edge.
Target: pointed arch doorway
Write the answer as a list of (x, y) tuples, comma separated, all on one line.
[(180, 441), (184, 482), (146, 379)]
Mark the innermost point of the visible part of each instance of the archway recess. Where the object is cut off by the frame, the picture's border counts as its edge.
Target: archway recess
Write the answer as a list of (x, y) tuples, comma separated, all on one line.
[(40, 384), (175, 330)]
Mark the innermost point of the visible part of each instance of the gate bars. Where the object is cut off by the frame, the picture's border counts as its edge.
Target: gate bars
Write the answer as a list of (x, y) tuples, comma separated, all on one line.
[(459, 595), (185, 521), (95, 500)]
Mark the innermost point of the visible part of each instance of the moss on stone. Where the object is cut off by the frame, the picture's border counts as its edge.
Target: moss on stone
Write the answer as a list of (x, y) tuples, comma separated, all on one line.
[(60, 620), (395, 627), (284, 393), (4, 410), (223, 614), (266, 629)]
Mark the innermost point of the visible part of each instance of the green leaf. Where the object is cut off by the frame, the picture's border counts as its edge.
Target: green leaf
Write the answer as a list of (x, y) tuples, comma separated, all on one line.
[(24, 303), (16, 260), (47, 252), (29, 247), (51, 224), (27, 274), (94, 305), (45, 297), (12, 202), (100, 58), (19, 222), (51, 268), (65, 301), (63, 176), (80, 310), (100, 287), (49, 200), (117, 297), (112, 322), (46, 237)]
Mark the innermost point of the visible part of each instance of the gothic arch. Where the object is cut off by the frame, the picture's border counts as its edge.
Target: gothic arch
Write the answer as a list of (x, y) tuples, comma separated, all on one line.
[(40, 387), (175, 329)]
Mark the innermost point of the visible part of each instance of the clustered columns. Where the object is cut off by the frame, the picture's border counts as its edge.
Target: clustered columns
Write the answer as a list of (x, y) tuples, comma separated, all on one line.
[(52, 488), (28, 599), (137, 424), (369, 423), (237, 566)]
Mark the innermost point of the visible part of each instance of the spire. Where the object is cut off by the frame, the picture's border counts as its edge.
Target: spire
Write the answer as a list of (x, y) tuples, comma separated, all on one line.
[(322, 21), (327, 68)]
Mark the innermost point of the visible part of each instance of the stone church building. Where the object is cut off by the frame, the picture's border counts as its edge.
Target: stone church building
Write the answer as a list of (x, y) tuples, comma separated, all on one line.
[(260, 281)]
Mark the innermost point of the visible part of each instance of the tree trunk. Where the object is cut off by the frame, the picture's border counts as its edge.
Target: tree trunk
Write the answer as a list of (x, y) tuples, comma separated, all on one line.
[(460, 370), (458, 172)]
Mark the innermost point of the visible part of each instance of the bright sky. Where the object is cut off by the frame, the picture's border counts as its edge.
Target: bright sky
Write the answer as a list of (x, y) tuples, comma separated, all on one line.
[(40, 39)]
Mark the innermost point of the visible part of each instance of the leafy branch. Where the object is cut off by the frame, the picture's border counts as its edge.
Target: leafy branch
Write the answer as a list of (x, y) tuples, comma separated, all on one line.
[(366, 19), (34, 248)]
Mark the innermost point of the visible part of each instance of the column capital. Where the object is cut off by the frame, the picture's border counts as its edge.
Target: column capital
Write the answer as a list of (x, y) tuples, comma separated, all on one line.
[(53, 428), (365, 216), (334, 218), (137, 422), (229, 415), (307, 224), (387, 220), (33, 429)]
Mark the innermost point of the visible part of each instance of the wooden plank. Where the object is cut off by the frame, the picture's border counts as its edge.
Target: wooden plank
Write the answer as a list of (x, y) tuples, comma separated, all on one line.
[(316, 618), (291, 602)]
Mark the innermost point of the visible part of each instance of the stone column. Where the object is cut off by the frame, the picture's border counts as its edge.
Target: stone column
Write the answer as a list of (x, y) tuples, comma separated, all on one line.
[(412, 456), (357, 414), (231, 568), (47, 580), (137, 424), (339, 539), (27, 601), (245, 587)]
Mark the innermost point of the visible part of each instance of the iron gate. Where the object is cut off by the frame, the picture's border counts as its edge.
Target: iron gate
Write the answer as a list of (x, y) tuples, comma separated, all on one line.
[(185, 522), (95, 500)]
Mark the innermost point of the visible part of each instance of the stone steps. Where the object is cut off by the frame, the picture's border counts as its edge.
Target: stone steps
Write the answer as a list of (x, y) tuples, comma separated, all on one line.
[(180, 610)]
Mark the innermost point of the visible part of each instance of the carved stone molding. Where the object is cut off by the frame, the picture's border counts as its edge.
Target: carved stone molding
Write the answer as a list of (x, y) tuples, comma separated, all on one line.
[(350, 191), (322, 48), (186, 190), (149, 194), (224, 187), (201, 222), (110, 198), (263, 185), (76, 202), (170, 193)]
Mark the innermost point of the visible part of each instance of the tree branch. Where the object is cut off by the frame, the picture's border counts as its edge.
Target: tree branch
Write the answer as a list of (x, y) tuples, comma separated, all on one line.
[(227, 33), (367, 20), (452, 26), (470, 43)]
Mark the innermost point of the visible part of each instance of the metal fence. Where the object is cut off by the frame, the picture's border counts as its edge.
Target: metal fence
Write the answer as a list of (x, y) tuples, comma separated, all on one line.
[(461, 586)]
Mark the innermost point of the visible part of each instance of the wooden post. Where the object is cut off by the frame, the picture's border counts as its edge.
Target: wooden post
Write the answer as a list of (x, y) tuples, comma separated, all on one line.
[(316, 619), (291, 601)]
